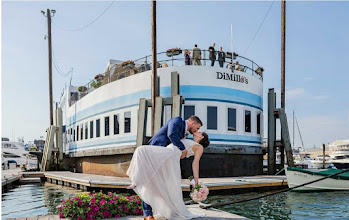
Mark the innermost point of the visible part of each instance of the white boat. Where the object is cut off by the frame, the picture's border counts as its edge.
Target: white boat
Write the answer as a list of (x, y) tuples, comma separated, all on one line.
[(100, 119), (297, 176), (340, 154), (15, 152)]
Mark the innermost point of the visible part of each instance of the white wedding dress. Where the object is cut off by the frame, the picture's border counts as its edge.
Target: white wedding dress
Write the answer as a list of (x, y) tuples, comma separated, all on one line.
[(157, 174)]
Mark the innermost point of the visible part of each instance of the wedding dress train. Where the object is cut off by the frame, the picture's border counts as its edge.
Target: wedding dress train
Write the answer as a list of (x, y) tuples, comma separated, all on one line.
[(156, 172)]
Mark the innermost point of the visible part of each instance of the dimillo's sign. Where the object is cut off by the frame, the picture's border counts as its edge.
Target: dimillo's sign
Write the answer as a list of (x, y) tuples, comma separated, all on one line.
[(232, 77)]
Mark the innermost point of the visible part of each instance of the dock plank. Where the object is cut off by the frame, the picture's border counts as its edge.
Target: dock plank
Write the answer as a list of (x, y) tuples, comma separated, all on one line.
[(100, 181)]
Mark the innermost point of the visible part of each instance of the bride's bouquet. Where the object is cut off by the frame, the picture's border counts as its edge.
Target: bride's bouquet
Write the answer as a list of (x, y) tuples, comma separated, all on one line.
[(199, 193)]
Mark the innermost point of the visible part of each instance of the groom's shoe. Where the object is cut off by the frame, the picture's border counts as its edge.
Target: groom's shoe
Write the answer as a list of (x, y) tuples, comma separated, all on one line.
[(149, 218)]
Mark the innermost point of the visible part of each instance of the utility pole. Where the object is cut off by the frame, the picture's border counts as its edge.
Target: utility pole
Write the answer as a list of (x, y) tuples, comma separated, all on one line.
[(50, 59), (154, 88), (283, 47)]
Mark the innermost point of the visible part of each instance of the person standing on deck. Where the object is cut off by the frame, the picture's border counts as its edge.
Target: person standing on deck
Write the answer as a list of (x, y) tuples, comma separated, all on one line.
[(196, 55)]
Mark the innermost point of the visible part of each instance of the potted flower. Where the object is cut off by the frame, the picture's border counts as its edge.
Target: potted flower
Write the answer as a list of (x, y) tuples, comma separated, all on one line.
[(82, 89), (96, 84), (128, 64), (235, 55), (228, 55), (173, 52), (259, 71), (99, 77)]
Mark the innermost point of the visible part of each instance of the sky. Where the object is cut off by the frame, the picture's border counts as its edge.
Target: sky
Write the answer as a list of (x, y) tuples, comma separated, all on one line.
[(317, 53)]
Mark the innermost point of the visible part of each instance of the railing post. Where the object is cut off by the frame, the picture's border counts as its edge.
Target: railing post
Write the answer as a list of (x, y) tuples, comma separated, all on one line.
[(204, 57)]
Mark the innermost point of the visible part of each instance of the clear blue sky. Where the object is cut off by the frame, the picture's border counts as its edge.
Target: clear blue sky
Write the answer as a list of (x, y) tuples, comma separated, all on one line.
[(317, 81)]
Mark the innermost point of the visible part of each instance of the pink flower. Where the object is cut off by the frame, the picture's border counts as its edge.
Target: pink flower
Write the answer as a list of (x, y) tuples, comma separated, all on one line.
[(126, 210), (138, 202), (60, 215), (102, 202), (106, 214), (93, 200), (79, 218), (63, 200), (109, 194), (136, 211), (80, 203), (117, 216), (111, 201), (60, 208), (115, 197), (97, 208), (123, 205), (102, 197)]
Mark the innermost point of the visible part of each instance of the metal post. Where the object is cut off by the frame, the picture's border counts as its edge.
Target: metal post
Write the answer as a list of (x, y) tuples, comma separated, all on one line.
[(271, 132), (283, 47), (154, 84), (323, 156), (50, 63)]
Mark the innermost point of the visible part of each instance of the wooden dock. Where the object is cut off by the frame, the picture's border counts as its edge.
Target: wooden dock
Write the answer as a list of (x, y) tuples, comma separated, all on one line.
[(90, 181), (209, 214)]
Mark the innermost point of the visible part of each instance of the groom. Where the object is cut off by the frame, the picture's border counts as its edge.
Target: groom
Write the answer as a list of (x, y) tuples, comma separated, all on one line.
[(172, 132)]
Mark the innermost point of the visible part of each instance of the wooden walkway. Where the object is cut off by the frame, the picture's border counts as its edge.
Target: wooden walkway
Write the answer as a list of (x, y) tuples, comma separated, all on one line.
[(210, 214), (85, 181)]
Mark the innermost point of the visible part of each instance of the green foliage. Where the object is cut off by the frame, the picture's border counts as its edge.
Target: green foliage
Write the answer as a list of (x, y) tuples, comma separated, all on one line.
[(96, 84), (100, 206), (82, 89)]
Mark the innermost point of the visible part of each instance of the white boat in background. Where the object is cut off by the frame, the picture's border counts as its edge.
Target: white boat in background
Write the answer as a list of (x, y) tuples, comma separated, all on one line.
[(297, 177), (340, 154), (14, 155)]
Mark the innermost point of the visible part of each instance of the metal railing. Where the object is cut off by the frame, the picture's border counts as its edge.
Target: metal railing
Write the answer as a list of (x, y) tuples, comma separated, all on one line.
[(117, 71)]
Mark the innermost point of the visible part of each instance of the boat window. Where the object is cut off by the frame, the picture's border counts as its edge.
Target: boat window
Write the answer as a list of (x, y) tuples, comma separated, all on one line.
[(231, 119), (77, 133), (189, 110), (86, 130), (71, 134), (74, 136), (106, 126), (212, 117), (247, 121), (98, 131), (82, 132), (127, 116), (258, 123), (91, 129), (116, 124)]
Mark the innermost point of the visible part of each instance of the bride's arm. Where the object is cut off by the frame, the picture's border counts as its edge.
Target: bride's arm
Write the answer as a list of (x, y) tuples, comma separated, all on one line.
[(198, 150)]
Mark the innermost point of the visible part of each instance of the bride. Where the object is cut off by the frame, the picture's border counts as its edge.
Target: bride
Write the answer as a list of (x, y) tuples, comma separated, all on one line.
[(156, 175)]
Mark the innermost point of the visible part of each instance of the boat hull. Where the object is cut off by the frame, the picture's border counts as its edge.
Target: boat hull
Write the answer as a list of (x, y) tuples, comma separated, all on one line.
[(296, 178)]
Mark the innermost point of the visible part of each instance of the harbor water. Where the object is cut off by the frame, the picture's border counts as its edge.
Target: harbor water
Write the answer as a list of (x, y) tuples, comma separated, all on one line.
[(290, 205), (42, 199)]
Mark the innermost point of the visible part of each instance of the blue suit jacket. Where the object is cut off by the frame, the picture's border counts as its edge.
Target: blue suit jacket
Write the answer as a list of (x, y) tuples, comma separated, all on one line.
[(172, 132)]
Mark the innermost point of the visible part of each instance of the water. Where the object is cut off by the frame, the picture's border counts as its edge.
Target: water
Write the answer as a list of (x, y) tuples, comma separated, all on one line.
[(291, 205), (36, 199)]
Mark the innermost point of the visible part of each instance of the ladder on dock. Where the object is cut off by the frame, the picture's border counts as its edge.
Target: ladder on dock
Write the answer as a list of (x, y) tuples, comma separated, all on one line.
[(284, 144), (49, 149), (175, 101)]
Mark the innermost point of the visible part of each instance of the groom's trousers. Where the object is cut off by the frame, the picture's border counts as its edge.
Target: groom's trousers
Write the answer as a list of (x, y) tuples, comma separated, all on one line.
[(147, 210)]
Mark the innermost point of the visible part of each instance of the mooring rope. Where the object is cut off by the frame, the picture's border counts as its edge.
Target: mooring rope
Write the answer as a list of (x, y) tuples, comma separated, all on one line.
[(274, 193)]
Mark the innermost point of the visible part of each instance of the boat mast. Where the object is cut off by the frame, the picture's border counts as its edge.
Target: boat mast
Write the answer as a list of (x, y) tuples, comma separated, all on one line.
[(154, 88), (299, 131)]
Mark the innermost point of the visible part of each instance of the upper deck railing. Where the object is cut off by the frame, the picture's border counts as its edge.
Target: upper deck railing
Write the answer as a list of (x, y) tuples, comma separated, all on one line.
[(164, 59)]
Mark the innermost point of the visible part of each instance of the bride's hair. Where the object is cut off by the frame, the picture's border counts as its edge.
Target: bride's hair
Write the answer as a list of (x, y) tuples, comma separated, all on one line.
[(204, 142)]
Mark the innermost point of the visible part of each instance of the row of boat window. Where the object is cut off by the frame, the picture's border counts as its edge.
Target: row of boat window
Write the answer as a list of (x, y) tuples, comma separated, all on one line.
[(212, 120), (86, 130), (74, 135)]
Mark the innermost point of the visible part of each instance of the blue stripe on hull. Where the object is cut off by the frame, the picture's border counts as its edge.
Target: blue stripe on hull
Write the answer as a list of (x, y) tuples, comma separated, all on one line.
[(194, 93)]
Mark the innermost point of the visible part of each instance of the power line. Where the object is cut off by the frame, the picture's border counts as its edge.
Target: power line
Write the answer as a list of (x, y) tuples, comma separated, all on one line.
[(79, 29), (259, 28), (60, 72)]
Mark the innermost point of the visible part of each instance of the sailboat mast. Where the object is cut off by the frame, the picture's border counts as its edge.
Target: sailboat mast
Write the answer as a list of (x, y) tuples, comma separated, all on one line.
[(293, 130), (299, 132)]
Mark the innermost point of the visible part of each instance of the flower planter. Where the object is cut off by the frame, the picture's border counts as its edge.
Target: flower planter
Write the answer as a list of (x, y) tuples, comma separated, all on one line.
[(173, 53), (128, 65), (82, 89)]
